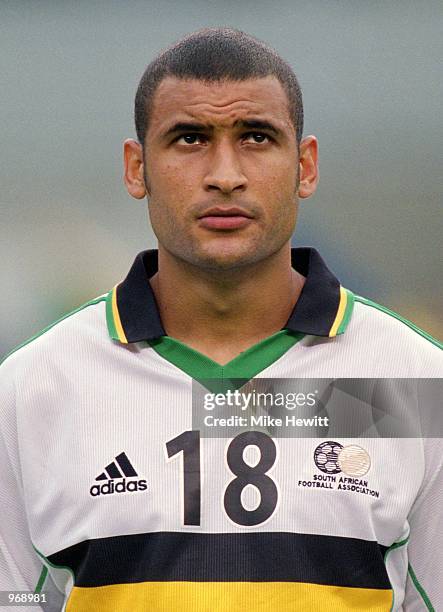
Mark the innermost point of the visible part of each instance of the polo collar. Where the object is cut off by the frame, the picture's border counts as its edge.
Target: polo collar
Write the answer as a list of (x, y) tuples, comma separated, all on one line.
[(323, 308)]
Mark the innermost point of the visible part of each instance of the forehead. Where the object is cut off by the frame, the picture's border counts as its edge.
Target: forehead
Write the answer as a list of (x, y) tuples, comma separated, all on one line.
[(220, 103)]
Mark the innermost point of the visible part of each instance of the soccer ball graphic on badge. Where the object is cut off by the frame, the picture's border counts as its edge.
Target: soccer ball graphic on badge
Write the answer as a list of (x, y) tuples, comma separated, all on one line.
[(326, 457)]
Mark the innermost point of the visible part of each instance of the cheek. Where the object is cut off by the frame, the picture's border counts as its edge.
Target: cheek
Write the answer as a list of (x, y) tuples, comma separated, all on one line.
[(161, 178), (277, 186), (277, 174), (169, 200), (171, 181)]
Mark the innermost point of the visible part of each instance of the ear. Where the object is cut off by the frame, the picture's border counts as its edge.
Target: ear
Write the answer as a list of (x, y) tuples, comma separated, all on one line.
[(133, 164), (308, 163)]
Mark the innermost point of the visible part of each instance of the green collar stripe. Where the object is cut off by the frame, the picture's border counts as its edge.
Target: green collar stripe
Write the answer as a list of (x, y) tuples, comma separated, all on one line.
[(110, 317), (348, 312), (245, 366)]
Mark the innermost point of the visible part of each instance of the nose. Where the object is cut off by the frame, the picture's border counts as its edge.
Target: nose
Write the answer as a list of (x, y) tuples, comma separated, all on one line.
[(224, 173)]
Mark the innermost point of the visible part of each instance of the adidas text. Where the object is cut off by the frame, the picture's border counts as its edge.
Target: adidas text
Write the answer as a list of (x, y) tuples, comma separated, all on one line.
[(122, 486)]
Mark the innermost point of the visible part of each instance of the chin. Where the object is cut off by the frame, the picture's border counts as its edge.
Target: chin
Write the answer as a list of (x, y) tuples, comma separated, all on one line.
[(222, 254), (227, 259)]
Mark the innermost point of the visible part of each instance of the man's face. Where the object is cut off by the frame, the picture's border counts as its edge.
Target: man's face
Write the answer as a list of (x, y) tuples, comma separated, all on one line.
[(221, 170)]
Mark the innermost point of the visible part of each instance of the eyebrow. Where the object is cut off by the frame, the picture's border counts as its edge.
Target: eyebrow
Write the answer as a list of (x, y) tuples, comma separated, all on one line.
[(259, 124), (253, 124)]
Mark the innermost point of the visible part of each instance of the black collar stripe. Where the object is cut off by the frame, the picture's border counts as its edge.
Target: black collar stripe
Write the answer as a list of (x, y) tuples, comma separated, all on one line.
[(323, 308)]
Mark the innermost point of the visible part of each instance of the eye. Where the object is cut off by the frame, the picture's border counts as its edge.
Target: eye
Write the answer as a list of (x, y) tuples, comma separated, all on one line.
[(190, 139), (258, 137)]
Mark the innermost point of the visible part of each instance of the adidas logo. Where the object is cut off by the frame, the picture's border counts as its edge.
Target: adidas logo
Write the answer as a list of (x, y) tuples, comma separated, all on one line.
[(120, 468)]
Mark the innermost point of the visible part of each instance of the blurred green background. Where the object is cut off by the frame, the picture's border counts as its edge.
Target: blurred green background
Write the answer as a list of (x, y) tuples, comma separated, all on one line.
[(371, 78)]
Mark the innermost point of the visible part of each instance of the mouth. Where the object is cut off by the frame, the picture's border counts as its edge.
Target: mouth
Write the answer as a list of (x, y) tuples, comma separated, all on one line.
[(218, 218)]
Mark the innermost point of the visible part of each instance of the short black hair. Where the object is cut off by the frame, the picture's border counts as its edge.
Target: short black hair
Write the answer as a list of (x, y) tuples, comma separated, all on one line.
[(216, 54)]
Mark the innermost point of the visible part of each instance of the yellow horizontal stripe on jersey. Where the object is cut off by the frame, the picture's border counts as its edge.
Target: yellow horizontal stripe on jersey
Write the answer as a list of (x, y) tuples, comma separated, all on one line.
[(116, 315), (223, 596), (340, 313)]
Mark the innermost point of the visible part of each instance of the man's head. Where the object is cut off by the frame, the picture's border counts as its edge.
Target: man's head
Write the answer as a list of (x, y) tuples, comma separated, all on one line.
[(220, 136), (215, 55)]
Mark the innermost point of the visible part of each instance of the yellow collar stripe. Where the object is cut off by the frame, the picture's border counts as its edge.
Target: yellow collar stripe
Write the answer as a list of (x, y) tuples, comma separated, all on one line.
[(116, 316), (340, 313)]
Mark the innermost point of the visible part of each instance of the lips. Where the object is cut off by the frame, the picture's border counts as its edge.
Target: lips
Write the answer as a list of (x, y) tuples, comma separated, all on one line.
[(233, 211), (218, 218)]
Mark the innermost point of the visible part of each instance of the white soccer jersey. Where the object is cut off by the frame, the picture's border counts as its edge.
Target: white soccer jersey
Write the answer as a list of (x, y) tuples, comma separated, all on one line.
[(111, 501)]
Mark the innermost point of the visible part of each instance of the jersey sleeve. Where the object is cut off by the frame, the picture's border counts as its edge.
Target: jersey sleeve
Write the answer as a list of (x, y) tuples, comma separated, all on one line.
[(424, 587), (20, 566)]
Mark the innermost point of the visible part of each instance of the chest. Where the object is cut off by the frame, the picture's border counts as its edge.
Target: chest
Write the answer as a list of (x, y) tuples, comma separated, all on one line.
[(125, 459)]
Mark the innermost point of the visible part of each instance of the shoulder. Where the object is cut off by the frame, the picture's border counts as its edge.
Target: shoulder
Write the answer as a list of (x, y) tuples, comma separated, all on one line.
[(386, 336), (387, 324), (59, 339)]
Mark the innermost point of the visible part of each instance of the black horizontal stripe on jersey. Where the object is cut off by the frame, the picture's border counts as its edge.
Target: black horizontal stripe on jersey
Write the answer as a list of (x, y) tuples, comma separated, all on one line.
[(226, 557)]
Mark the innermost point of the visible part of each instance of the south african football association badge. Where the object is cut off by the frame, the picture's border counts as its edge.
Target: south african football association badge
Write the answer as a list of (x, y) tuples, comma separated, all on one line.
[(341, 468)]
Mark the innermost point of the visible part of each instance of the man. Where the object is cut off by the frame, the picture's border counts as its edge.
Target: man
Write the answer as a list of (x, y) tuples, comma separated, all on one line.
[(111, 497)]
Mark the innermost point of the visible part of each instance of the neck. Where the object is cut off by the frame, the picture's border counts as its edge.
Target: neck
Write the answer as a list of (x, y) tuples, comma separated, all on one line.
[(224, 313)]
